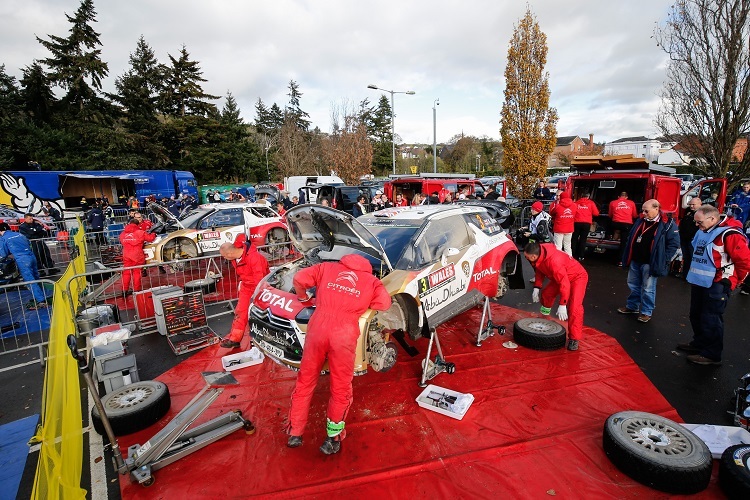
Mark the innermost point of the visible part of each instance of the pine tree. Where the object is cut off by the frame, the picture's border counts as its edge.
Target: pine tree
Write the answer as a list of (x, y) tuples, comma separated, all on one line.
[(184, 94), (262, 117), (36, 93), (138, 89), (10, 98), (276, 118), (230, 114), (76, 64), (527, 129), (293, 110), (380, 135)]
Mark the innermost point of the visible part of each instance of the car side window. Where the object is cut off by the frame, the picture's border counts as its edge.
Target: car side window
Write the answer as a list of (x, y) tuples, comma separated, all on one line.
[(440, 235), (223, 218)]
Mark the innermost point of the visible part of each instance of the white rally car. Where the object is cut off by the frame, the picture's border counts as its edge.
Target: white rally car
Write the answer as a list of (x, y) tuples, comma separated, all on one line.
[(202, 231), (436, 261)]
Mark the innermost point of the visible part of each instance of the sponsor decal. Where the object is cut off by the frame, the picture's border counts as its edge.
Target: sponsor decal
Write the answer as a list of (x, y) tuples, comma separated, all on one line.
[(280, 303), (466, 268), (484, 273), (348, 277), (209, 235), (428, 283), (434, 301)]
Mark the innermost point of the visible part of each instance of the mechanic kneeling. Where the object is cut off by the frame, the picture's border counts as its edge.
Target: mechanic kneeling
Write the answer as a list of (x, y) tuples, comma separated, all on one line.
[(568, 279), (345, 290)]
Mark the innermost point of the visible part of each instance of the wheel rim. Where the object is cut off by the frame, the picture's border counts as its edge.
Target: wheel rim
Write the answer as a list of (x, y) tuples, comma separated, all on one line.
[(130, 397), (657, 437), (541, 326)]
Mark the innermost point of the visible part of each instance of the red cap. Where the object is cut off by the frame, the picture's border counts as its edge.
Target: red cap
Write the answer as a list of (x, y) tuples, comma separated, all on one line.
[(240, 240), (537, 205)]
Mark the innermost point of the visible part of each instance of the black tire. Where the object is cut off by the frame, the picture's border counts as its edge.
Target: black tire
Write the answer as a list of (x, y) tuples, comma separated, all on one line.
[(411, 316), (657, 452), (539, 333), (734, 476), (133, 407)]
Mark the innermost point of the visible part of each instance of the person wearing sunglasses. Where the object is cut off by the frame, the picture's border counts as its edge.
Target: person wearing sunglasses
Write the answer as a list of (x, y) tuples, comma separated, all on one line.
[(720, 261), (649, 249)]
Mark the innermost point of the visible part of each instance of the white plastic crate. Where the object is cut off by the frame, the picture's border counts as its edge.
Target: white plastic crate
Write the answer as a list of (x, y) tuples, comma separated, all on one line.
[(246, 358), (438, 399)]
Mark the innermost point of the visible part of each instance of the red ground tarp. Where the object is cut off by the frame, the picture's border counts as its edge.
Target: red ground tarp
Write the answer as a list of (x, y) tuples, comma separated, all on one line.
[(534, 430)]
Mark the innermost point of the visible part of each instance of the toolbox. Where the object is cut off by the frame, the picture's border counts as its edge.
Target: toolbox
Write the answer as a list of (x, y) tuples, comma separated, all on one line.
[(186, 326), (158, 295), (144, 308), (445, 401)]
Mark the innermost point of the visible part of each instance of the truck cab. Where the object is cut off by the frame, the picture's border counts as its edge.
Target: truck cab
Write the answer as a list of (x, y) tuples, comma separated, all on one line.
[(604, 178)]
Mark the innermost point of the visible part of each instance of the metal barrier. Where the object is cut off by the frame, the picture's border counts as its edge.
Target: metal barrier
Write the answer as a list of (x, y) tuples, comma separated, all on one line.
[(21, 328)]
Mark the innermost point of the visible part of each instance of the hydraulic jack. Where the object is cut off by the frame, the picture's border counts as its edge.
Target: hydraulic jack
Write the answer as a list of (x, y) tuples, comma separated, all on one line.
[(174, 441), (487, 331), (430, 368)]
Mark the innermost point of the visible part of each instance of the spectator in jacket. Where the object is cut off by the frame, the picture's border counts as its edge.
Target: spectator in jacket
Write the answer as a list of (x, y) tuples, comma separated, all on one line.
[(542, 192), (54, 213), (401, 201), (622, 211), (36, 234), (563, 222), (586, 210), (360, 208), (649, 249), (491, 193), (741, 200), (95, 219), (345, 290), (687, 233), (721, 260), (132, 239), (17, 245), (567, 278)]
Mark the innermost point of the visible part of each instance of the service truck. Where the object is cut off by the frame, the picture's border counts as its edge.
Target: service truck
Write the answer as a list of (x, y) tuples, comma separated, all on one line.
[(605, 177)]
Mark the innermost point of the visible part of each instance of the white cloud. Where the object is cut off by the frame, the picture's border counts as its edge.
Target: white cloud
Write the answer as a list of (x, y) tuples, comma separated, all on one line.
[(605, 71)]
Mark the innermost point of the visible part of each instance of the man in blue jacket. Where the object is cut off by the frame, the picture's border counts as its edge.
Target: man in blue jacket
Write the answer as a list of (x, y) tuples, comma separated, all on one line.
[(653, 241), (17, 245), (741, 200)]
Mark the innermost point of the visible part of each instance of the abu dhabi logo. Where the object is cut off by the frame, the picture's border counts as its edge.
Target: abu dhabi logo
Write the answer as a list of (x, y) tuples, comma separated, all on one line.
[(349, 277)]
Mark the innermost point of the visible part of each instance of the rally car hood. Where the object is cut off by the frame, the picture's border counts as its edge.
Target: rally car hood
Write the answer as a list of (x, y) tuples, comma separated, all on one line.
[(164, 215), (315, 228)]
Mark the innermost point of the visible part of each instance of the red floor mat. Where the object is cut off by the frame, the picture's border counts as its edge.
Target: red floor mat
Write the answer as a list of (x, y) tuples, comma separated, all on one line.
[(534, 430)]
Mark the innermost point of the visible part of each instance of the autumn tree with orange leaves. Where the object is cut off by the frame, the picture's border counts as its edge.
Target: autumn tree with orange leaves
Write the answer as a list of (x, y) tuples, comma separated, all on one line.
[(348, 150), (527, 124)]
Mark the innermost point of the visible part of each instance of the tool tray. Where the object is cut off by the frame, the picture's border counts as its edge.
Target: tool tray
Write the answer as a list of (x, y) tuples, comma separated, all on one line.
[(186, 325)]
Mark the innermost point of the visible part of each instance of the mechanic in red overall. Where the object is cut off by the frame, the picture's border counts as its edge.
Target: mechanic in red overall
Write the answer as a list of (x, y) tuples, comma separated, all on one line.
[(567, 278), (622, 211), (563, 222), (132, 239), (344, 291), (251, 267), (586, 210)]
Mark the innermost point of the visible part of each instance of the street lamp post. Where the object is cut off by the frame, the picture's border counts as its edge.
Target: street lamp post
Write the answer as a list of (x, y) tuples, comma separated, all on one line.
[(479, 162), (435, 103), (393, 116)]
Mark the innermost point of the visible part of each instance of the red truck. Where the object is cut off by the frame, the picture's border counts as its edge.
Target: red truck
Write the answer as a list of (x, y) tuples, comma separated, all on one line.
[(427, 184), (606, 177)]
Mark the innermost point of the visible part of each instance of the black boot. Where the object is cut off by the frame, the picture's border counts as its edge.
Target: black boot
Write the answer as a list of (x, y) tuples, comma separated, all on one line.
[(330, 446)]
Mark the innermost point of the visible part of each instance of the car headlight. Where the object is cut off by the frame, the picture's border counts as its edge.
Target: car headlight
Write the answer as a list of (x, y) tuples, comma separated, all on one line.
[(304, 315)]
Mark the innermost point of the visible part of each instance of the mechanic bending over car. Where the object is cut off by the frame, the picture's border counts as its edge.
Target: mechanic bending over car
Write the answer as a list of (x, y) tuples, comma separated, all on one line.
[(251, 267), (568, 279), (345, 290)]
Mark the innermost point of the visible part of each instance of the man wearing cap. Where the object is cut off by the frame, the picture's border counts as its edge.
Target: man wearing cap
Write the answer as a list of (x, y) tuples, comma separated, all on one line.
[(17, 245), (539, 226), (649, 249), (586, 210), (622, 211), (563, 217), (251, 267)]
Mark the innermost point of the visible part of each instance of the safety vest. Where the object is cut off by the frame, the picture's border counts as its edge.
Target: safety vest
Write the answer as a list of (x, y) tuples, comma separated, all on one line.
[(703, 268)]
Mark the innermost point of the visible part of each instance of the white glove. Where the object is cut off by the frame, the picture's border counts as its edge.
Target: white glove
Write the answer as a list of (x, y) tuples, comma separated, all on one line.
[(562, 313), (535, 295)]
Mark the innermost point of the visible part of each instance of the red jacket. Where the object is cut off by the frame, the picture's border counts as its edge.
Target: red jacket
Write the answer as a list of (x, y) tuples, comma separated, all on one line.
[(735, 246), (344, 290), (623, 210), (563, 216), (586, 210), (251, 267), (558, 267), (132, 239)]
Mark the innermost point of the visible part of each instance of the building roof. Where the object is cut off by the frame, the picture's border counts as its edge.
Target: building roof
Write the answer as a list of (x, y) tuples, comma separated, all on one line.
[(633, 139), (565, 140)]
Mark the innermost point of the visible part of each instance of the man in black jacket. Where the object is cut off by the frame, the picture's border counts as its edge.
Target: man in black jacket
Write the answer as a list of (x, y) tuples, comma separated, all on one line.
[(36, 233), (687, 231), (96, 223)]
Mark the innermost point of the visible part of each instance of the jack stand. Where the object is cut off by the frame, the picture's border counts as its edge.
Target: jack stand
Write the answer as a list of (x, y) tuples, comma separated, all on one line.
[(486, 332), (174, 441), (431, 369)]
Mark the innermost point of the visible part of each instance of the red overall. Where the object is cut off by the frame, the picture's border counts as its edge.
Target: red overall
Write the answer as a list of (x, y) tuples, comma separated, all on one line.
[(568, 279), (132, 239), (251, 268), (345, 290)]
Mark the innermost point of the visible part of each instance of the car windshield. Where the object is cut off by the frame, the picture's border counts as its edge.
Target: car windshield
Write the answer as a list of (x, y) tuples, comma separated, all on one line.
[(393, 237)]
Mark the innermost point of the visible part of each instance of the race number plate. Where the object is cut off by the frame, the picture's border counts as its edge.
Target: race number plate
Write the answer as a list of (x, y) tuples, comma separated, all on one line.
[(270, 349)]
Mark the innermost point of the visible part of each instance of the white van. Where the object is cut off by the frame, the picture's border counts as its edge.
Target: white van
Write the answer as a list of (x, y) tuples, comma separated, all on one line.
[(293, 184)]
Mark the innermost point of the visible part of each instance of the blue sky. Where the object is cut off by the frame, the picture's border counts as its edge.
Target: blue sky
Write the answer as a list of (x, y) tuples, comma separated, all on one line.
[(605, 69)]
